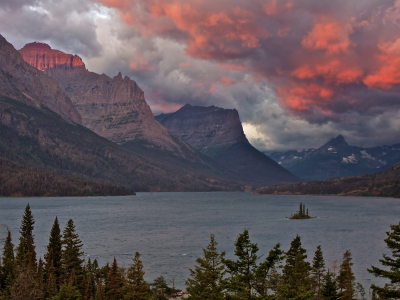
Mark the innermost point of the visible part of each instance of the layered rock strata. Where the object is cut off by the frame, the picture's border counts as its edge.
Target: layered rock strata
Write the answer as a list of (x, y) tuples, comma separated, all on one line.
[(23, 82), (114, 108)]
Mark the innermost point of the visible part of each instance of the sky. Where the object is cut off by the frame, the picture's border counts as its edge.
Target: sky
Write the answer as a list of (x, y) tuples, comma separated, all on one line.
[(298, 72)]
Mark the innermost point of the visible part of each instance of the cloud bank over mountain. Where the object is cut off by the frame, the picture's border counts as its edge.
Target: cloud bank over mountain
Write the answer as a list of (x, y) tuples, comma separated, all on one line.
[(299, 72)]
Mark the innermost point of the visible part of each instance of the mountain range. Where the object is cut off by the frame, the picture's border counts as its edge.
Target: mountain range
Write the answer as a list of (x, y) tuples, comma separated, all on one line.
[(337, 158), (58, 117)]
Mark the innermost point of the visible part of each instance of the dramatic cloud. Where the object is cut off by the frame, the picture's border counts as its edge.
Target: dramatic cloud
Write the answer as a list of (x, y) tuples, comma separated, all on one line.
[(299, 72)]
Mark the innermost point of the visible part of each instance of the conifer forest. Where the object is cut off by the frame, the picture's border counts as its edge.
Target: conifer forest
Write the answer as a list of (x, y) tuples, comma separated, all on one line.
[(63, 273)]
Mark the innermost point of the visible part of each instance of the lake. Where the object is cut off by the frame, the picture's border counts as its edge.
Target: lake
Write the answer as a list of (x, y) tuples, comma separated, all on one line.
[(170, 229)]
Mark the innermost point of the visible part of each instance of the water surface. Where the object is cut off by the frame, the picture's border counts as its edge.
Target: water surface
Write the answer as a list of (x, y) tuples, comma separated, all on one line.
[(170, 229)]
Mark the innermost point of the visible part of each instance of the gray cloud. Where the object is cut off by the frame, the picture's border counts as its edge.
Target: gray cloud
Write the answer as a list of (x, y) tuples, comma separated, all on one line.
[(170, 77)]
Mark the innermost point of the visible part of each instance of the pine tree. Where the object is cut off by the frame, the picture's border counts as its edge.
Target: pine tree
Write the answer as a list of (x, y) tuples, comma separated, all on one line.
[(207, 279), (392, 265), (53, 251), (136, 288), (266, 271), (243, 270), (296, 273), (329, 289), (346, 279), (25, 286), (317, 271), (160, 288), (114, 283), (71, 255), (40, 278), (299, 282), (68, 292), (51, 282), (100, 291), (8, 262), (295, 248), (26, 255)]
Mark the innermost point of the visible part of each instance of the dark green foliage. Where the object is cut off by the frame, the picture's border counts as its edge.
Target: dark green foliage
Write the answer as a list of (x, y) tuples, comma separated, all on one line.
[(114, 284), (317, 271), (52, 256), (296, 272), (242, 271), (68, 292), (7, 262), (40, 277), (329, 290), (346, 279), (18, 180), (392, 264), (160, 288), (26, 254), (294, 250), (71, 256), (51, 282), (207, 279), (136, 288), (384, 184), (302, 213), (266, 272)]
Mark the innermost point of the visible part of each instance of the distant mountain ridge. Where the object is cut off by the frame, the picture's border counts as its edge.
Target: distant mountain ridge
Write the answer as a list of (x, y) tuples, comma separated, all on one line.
[(218, 133), (383, 184), (337, 158)]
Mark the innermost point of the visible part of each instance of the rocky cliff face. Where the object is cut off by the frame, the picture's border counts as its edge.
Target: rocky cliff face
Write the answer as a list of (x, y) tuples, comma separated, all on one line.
[(205, 127), (114, 108), (218, 133), (25, 83)]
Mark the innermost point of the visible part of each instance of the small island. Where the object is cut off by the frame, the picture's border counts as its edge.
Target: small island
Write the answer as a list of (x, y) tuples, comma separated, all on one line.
[(301, 214)]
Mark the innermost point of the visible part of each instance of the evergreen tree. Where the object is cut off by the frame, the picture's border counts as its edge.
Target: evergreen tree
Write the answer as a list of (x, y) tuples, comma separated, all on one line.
[(68, 292), (8, 262), (53, 251), (295, 248), (114, 284), (25, 286), (51, 283), (299, 283), (136, 288), (317, 271), (160, 288), (100, 291), (207, 279), (26, 255), (346, 279), (266, 271), (296, 273), (243, 270), (87, 289), (392, 265), (40, 278), (329, 289), (71, 255)]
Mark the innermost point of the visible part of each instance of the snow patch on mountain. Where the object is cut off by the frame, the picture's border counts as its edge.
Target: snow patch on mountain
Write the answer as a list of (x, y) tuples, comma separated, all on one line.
[(350, 159), (366, 155)]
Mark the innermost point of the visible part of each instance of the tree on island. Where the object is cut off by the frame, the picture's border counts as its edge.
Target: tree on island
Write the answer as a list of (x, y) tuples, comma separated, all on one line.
[(207, 279), (391, 290), (302, 213)]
